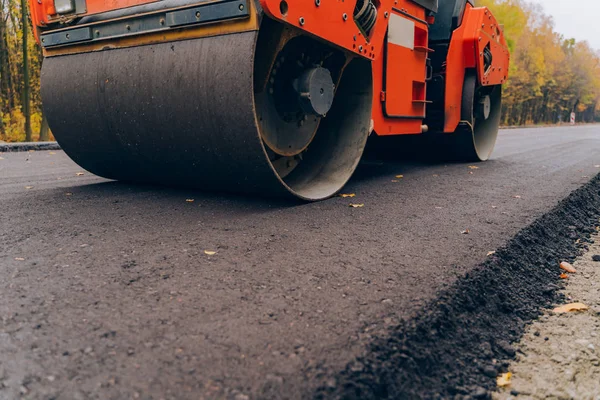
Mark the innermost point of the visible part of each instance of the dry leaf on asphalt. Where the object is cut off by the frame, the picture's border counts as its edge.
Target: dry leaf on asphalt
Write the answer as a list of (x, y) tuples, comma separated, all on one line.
[(465, 232), (517, 197), (28, 187), (567, 267), (19, 259), (357, 205), (80, 174), (395, 181), (564, 276), (504, 379), (189, 200), (399, 176), (491, 253), (52, 153), (346, 195), (473, 167), (210, 253), (571, 308), (68, 194)]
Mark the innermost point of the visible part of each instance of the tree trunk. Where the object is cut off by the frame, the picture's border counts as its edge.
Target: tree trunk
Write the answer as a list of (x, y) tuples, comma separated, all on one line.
[(26, 100), (44, 129)]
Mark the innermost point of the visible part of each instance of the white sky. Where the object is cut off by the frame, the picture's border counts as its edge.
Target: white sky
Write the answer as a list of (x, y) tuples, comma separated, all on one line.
[(575, 19)]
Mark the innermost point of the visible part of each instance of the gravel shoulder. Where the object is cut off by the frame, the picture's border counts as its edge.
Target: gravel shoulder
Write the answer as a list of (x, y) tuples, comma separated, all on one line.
[(558, 357)]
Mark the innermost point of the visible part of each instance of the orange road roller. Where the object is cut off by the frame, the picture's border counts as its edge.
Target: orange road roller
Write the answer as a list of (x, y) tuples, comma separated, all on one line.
[(274, 97)]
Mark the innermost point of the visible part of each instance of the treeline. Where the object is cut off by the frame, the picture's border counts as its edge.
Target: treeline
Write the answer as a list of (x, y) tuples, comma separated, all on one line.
[(550, 75), (20, 62)]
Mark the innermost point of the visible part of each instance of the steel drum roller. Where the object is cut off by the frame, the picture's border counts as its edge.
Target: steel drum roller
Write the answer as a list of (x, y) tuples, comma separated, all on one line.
[(186, 113)]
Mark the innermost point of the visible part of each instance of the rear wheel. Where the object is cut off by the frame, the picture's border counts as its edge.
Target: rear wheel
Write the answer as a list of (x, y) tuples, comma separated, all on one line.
[(476, 135)]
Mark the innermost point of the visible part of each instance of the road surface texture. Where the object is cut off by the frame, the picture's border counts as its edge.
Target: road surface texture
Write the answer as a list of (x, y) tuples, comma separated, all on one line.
[(106, 291)]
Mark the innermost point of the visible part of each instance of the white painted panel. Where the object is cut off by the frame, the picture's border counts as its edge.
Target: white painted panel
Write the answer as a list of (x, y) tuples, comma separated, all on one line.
[(401, 31)]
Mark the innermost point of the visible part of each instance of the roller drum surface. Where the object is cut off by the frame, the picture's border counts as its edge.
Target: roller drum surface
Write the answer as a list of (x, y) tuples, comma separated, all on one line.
[(183, 113)]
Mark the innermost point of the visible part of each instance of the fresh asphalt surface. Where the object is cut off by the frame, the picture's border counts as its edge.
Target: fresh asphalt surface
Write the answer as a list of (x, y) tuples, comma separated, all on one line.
[(106, 290)]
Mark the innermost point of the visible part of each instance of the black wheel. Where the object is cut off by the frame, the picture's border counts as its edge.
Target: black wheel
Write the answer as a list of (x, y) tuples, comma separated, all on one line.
[(476, 135)]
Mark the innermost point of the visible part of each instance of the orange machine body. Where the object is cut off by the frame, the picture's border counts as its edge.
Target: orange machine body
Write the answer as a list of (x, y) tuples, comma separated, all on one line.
[(397, 45)]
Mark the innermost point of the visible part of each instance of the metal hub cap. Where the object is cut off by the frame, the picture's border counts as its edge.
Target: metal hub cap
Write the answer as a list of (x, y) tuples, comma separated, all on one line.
[(485, 107), (315, 90)]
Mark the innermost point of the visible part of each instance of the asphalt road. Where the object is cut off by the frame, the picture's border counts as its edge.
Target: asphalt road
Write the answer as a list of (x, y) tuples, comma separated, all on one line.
[(106, 290)]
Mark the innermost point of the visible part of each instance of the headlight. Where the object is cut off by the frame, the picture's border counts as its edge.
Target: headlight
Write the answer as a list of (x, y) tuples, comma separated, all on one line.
[(64, 6)]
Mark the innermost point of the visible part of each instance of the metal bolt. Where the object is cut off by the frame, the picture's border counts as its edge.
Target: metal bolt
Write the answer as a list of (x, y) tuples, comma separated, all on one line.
[(67, 35), (360, 49), (97, 33), (241, 7), (301, 20), (317, 3), (128, 27), (386, 14), (344, 16), (197, 14), (161, 21)]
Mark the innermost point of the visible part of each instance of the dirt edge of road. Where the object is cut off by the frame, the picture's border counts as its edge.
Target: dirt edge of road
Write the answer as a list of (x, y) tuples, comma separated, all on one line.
[(458, 345)]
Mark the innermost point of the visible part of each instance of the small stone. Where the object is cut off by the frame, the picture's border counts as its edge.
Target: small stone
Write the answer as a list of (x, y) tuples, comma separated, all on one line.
[(596, 258), (88, 350), (506, 348), (387, 301), (479, 393), (490, 371), (591, 347)]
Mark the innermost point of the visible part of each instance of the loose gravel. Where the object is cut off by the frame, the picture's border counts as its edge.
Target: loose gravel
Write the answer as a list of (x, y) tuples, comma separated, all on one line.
[(558, 357)]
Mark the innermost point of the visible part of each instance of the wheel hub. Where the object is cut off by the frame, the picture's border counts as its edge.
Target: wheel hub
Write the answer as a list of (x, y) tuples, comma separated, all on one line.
[(315, 90), (484, 108)]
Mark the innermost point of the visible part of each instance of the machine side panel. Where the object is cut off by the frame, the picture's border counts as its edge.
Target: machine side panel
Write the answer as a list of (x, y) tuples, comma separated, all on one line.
[(400, 75)]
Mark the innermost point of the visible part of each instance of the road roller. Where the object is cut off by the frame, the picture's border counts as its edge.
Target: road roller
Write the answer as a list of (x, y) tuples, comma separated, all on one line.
[(266, 97)]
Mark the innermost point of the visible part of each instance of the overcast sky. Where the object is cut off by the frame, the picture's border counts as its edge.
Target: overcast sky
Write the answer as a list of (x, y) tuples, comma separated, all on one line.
[(575, 19)]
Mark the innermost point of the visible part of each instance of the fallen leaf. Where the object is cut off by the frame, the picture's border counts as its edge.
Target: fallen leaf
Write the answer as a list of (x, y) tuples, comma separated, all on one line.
[(471, 173), (473, 167), (69, 194), (570, 308), (399, 176), (395, 181), (357, 205), (52, 153), (491, 253), (210, 253), (19, 259), (346, 195), (436, 175), (564, 276), (28, 187), (494, 207), (504, 379), (189, 200), (517, 197), (465, 232), (567, 267), (80, 174)]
